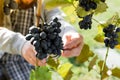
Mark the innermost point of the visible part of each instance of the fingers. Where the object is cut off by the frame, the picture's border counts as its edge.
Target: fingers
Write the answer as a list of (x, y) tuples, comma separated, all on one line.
[(73, 52), (72, 43), (29, 53)]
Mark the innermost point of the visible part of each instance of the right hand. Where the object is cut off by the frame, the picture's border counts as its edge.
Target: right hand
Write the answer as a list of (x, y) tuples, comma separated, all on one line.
[(29, 54)]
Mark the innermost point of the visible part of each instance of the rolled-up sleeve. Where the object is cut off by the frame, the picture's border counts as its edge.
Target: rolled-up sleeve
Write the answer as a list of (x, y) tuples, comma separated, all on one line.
[(10, 41)]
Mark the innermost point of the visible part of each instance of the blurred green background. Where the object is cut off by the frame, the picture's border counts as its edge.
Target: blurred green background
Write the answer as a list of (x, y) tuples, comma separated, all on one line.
[(81, 72)]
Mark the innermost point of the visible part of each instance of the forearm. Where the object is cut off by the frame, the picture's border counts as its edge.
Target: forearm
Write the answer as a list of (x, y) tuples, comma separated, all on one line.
[(11, 42)]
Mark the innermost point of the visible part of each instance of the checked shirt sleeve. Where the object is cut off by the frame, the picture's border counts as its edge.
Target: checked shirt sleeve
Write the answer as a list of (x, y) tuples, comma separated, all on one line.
[(11, 42)]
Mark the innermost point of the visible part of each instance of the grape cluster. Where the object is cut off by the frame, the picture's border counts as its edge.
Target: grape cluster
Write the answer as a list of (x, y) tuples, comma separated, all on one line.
[(8, 5), (46, 39), (87, 4), (111, 34), (86, 22)]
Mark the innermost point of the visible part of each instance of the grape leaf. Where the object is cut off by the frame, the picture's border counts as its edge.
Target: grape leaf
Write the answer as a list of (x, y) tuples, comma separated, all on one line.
[(40, 73), (102, 7), (114, 19), (92, 63), (49, 4), (53, 63), (65, 70), (116, 72), (99, 38), (81, 12), (104, 72), (84, 55)]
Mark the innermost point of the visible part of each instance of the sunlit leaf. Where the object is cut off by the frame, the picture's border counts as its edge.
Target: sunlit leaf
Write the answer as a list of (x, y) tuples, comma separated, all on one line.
[(40, 73), (84, 55), (116, 72), (92, 63), (114, 19), (64, 70), (50, 4), (118, 46), (99, 38), (101, 7), (53, 63), (104, 72), (81, 12)]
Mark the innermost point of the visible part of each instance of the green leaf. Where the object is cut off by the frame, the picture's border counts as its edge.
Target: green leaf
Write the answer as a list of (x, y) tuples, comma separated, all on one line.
[(99, 38), (40, 73), (81, 12), (116, 72), (101, 7), (84, 55), (92, 63), (114, 19), (104, 72), (53, 63), (49, 4), (65, 70)]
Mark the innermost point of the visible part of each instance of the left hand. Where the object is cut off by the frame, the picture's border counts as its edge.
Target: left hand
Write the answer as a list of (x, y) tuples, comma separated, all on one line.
[(73, 44)]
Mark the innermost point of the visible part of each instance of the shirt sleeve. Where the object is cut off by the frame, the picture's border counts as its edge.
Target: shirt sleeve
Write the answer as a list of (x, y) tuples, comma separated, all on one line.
[(65, 26), (11, 42)]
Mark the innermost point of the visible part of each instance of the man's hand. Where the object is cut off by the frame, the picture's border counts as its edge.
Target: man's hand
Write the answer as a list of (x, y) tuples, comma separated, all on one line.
[(73, 44), (28, 52)]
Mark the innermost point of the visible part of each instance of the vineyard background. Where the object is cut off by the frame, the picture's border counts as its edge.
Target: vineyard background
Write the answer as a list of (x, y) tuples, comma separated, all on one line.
[(81, 72), (81, 68)]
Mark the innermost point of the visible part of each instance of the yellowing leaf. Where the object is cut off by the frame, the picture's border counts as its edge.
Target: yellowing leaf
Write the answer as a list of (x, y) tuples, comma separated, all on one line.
[(64, 69), (116, 72), (50, 4), (104, 72), (99, 38), (84, 55), (92, 63), (118, 46)]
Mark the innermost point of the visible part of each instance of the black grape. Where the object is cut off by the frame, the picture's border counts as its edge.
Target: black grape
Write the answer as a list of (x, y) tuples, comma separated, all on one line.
[(87, 4), (86, 22), (46, 39), (111, 34)]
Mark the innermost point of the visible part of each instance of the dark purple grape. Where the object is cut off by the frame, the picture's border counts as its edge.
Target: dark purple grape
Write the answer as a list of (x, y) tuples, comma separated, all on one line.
[(43, 35), (28, 36)]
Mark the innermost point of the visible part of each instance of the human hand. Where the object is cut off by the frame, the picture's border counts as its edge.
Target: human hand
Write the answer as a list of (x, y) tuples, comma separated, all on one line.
[(73, 44), (28, 52)]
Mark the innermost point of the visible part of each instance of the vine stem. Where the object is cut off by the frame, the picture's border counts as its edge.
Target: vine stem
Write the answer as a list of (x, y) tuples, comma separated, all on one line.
[(38, 12), (103, 65), (98, 22)]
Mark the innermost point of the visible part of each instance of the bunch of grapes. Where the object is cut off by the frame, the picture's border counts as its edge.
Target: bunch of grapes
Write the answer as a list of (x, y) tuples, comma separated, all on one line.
[(111, 34), (86, 22), (46, 39), (87, 4), (8, 5)]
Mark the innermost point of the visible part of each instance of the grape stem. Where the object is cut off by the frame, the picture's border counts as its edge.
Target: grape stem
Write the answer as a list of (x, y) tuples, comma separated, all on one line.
[(98, 22), (103, 65)]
